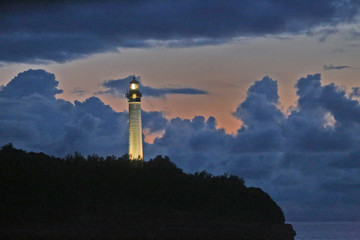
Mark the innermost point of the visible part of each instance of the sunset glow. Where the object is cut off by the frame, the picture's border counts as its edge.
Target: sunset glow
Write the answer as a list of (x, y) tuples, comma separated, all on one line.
[(265, 90)]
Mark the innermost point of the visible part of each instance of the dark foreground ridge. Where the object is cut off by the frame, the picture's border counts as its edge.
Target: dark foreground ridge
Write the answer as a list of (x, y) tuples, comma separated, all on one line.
[(44, 197)]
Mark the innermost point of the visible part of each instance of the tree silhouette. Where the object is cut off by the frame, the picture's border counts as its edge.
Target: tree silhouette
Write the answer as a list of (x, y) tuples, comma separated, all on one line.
[(37, 188)]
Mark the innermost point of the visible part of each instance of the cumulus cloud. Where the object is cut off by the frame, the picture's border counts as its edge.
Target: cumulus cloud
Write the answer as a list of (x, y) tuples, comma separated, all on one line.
[(355, 92), (118, 88), (261, 104), (331, 67), (307, 160), (154, 121), (193, 144), (31, 82), (33, 31), (32, 118), (301, 159), (261, 119)]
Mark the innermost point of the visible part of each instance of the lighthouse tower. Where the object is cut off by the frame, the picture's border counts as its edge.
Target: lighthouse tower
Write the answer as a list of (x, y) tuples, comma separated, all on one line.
[(135, 130)]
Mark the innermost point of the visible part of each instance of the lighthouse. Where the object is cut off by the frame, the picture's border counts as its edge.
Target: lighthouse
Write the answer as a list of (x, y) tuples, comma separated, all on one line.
[(135, 130)]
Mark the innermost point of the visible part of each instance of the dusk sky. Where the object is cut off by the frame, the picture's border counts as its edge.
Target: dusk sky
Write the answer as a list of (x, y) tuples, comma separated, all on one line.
[(267, 90)]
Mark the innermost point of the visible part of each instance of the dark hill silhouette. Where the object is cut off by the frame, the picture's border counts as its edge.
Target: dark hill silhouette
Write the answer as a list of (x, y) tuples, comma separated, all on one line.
[(95, 197)]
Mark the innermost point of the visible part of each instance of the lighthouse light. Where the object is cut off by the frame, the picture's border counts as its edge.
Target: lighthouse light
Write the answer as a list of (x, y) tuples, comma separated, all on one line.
[(133, 86)]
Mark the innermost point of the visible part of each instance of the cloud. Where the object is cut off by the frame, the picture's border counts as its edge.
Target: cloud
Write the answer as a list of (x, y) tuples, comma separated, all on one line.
[(118, 88), (308, 160), (323, 33), (31, 82), (193, 144), (79, 91), (261, 119), (32, 118), (261, 104), (355, 92), (354, 34), (349, 161), (331, 67), (43, 31), (154, 121), (294, 156)]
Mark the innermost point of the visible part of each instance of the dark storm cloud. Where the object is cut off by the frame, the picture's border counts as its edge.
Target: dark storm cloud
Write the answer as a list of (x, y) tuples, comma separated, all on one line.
[(331, 67), (118, 88), (349, 161), (308, 160), (37, 31)]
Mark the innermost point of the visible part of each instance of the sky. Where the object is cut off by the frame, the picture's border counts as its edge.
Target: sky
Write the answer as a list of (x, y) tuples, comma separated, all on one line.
[(266, 90)]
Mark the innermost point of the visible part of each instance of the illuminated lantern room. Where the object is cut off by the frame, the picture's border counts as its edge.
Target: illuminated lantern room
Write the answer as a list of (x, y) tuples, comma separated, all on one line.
[(134, 95), (134, 85)]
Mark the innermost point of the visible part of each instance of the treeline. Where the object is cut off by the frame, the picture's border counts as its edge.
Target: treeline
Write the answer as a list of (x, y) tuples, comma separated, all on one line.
[(38, 187)]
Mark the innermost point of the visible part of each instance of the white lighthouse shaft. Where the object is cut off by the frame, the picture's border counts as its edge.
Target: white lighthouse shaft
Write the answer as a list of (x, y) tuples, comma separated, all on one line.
[(135, 131)]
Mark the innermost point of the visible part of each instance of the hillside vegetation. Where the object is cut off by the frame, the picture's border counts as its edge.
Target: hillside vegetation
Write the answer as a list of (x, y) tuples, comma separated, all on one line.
[(37, 189)]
